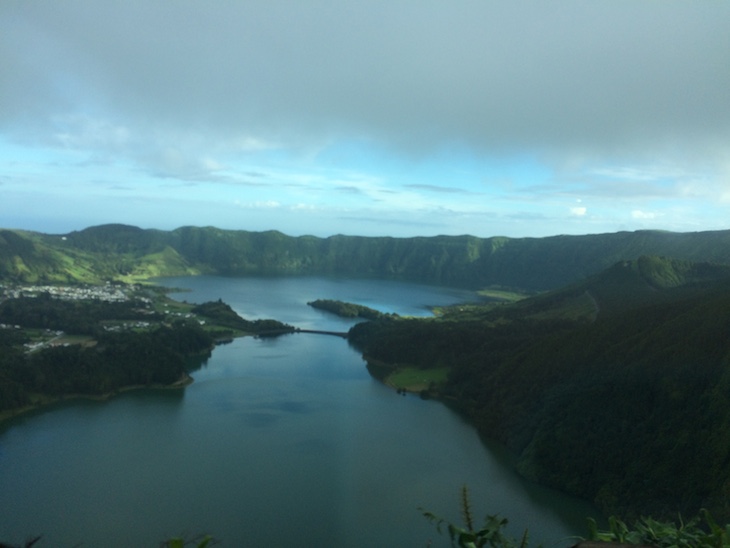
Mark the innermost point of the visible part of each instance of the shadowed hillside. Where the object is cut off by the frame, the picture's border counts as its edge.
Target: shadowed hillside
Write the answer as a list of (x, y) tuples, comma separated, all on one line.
[(611, 384), (614, 389), (534, 264)]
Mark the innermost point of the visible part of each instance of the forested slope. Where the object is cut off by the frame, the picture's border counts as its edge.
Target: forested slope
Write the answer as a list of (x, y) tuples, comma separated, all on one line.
[(535, 264), (613, 383), (616, 389)]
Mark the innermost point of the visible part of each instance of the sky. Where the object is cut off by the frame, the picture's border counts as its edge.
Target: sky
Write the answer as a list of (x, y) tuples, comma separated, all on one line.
[(375, 118)]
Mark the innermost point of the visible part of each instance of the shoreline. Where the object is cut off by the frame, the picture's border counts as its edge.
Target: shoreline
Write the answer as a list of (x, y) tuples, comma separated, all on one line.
[(47, 401)]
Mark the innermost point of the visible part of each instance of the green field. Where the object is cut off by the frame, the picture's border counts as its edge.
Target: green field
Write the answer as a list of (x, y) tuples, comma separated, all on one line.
[(504, 295), (414, 379)]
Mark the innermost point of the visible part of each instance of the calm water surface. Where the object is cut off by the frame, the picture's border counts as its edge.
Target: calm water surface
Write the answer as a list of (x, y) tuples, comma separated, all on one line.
[(279, 442)]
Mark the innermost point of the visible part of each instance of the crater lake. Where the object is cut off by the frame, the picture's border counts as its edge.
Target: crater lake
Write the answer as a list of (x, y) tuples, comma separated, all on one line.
[(283, 441)]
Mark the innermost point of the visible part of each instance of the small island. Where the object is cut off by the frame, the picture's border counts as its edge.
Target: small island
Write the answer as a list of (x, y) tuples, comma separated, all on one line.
[(349, 310)]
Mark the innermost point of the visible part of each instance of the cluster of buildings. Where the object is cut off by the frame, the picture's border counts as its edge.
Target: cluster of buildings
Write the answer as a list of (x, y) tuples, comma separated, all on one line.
[(107, 293)]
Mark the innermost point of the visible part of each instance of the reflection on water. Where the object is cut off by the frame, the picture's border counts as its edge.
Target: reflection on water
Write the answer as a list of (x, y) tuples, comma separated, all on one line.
[(277, 442)]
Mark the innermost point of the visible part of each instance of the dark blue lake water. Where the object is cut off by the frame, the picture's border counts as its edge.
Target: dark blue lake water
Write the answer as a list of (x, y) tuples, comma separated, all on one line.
[(278, 442)]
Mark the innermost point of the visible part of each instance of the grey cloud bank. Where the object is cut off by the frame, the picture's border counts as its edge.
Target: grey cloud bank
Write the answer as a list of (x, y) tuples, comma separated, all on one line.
[(599, 75), (172, 87)]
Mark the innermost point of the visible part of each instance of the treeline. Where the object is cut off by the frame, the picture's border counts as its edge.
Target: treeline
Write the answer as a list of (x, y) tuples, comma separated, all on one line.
[(79, 317), (120, 252), (347, 310), (223, 315), (116, 360), (125, 343), (631, 410)]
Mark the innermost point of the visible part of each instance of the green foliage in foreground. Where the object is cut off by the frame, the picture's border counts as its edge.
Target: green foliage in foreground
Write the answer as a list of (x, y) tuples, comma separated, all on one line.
[(179, 542), (175, 542), (627, 406), (700, 532), (469, 536), (27, 544)]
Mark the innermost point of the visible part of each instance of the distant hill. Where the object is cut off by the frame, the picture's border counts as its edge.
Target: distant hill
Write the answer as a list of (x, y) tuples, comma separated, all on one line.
[(614, 388), (109, 252), (535, 264), (624, 286), (612, 383)]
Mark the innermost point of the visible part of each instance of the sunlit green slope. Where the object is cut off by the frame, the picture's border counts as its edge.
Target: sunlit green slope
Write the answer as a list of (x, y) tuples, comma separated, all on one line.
[(533, 264)]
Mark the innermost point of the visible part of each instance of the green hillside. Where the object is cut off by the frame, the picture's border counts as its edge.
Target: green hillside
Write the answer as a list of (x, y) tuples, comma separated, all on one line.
[(534, 264), (614, 389), (611, 382)]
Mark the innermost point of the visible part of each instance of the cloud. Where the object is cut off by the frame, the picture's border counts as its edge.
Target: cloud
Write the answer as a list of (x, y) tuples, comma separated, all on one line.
[(349, 189), (81, 131), (437, 188), (640, 173), (380, 220), (600, 77), (511, 106), (269, 204), (638, 214)]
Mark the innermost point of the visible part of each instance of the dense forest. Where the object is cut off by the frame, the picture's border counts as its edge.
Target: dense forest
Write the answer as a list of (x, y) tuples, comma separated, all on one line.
[(120, 252), (346, 310), (616, 389), (51, 347), (115, 361), (611, 382), (223, 315)]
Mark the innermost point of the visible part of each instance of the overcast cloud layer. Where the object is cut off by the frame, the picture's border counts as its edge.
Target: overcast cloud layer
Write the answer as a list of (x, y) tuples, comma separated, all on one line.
[(511, 117)]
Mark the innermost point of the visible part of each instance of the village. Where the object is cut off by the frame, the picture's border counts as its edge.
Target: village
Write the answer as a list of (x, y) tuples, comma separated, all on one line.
[(106, 293)]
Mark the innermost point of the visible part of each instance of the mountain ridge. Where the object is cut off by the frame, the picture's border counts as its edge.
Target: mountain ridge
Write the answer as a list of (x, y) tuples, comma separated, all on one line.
[(127, 253), (622, 356)]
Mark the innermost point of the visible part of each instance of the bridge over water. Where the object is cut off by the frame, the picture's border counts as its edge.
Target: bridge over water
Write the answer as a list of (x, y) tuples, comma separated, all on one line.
[(277, 332)]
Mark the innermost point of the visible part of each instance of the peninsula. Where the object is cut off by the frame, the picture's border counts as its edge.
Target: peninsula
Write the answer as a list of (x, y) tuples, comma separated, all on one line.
[(608, 380), (58, 341)]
